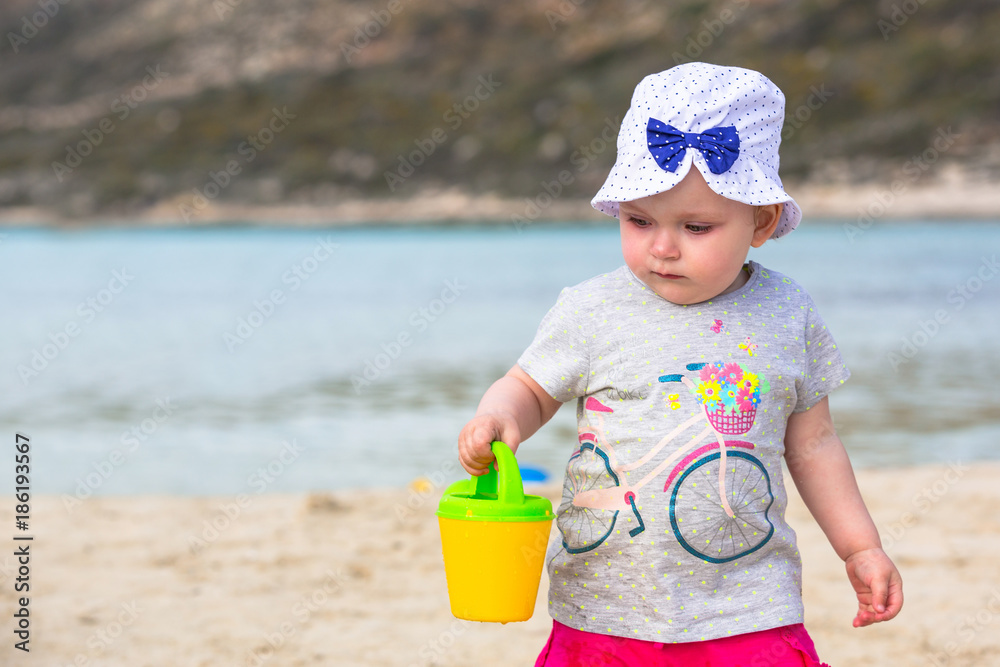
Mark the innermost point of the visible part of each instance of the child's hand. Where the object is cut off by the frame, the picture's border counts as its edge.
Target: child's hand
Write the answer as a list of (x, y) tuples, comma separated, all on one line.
[(474, 450), (878, 585)]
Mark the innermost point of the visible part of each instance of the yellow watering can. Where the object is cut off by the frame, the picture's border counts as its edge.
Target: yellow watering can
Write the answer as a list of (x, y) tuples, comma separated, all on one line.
[(493, 538)]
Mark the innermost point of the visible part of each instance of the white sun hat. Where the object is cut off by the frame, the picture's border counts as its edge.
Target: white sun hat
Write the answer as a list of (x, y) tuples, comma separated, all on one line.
[(725, 120)]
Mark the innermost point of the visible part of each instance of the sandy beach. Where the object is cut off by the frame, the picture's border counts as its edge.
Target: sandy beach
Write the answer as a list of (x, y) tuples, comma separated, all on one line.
[(356, 578), (952, 195)]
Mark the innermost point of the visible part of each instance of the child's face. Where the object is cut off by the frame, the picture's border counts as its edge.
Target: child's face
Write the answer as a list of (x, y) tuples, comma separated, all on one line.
[(689, 244)]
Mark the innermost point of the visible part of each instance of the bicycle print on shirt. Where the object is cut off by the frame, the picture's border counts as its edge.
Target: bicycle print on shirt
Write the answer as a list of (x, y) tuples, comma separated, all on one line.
[(720, 493)]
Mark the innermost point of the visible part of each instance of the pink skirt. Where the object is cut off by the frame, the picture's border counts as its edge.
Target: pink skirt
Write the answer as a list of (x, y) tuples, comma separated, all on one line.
[(787, 646)]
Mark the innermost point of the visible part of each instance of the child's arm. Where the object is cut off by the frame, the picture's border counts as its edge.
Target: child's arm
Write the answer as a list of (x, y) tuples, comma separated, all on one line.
[(511, 410), (823, 475)]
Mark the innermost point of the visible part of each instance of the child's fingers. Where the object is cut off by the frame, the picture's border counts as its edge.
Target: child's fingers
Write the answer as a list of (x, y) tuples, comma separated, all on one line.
[(473, 454), (896, 596), (480, 450), (868, 612), (483, 437), (478, 454), (475, 451), (878, 585), (864, 618), (894, 602), (880, 593)]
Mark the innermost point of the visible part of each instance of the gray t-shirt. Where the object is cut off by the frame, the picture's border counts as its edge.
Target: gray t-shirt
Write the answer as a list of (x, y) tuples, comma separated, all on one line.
[(647, 548)]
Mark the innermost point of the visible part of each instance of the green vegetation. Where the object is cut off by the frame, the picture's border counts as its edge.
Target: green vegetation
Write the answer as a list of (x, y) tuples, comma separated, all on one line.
[(882, 79)]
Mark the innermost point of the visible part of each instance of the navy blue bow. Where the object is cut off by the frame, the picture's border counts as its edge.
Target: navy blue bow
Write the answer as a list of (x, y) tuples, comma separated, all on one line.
[(667, 144)]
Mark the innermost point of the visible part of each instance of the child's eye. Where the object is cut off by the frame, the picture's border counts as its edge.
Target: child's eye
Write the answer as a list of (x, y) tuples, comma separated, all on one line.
[(638, 221), (698, 229)]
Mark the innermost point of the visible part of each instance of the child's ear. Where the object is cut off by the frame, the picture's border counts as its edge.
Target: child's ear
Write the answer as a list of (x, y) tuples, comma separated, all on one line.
[(765, 221)]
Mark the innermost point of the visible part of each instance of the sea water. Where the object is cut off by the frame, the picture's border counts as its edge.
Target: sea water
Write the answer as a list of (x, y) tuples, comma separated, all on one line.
[(247, 360)]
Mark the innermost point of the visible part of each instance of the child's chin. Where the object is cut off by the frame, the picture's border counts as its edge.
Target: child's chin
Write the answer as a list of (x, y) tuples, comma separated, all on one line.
[(677, 297), (682, 297)]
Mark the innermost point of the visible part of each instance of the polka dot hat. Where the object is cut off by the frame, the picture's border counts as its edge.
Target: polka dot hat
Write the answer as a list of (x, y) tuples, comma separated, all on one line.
[(725, 120)]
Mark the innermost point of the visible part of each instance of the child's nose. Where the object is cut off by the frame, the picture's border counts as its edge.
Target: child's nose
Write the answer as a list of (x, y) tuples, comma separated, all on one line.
[(664, 245)]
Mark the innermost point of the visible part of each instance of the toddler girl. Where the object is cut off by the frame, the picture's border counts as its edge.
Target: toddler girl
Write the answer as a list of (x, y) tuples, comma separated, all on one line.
[(694, 373)]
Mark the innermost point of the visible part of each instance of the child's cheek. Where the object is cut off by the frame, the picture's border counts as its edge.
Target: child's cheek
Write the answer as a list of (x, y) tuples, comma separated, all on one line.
[(632, 248)]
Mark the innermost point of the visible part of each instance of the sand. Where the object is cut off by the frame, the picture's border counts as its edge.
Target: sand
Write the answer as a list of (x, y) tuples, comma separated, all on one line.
[(356, 578), (952, 194)]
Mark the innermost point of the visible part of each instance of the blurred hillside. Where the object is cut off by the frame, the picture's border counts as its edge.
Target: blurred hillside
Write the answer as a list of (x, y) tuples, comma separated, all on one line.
[(145, 102)]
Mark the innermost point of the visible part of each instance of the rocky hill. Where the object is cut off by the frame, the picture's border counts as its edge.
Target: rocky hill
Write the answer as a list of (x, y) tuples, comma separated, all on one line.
[(114, 106)]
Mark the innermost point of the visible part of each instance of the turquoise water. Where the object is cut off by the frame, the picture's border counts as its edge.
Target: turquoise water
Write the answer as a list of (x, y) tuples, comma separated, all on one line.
[(148, 382)]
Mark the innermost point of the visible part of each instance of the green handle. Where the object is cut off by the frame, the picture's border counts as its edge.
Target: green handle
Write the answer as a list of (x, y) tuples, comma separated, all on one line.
[(505, 483), (496, 495)]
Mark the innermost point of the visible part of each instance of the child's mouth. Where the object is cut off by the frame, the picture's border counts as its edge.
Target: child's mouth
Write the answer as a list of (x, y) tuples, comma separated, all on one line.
[(668, 276)]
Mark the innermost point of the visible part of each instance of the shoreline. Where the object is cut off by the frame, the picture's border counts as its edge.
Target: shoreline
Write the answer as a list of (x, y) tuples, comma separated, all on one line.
[(952, 198), (324, 578)]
